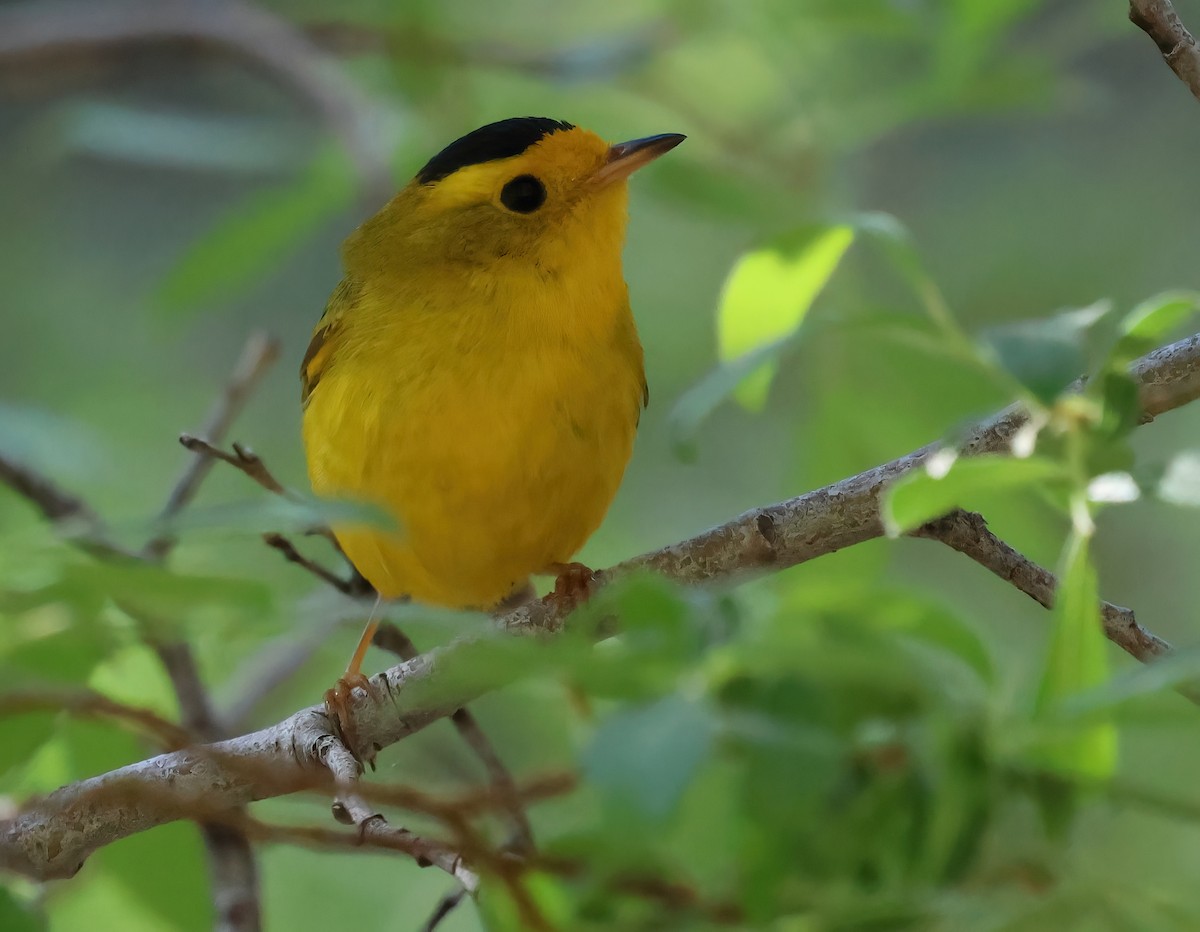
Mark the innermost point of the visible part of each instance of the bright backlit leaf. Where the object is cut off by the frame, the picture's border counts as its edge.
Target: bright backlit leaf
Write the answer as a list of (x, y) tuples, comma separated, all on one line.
[(768, 293), (923, 495)]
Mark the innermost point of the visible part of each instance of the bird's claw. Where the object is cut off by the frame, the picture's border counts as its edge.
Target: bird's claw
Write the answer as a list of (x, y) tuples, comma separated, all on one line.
[(339, 707), (573, 582)]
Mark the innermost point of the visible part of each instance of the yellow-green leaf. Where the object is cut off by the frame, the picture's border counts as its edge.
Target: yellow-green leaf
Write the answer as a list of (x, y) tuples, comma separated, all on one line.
[(768, 293)]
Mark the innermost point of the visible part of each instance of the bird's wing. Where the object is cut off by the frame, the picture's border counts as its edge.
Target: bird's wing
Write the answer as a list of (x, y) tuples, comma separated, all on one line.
[(323, 346)]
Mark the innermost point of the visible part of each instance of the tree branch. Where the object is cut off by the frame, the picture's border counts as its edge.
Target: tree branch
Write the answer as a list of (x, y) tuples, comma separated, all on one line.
[(1158, 19), (444, 908), (89, 703), (968, 533), (425, 852), (242, 458), (70, 515), (53, 836), (391, 638)]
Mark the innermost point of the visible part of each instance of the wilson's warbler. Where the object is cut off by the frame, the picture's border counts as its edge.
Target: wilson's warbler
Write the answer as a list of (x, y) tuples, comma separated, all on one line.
[(477, 373)]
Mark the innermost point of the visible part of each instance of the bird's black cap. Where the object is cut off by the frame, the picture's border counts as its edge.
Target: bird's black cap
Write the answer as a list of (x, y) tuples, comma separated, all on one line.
[(495, 141)]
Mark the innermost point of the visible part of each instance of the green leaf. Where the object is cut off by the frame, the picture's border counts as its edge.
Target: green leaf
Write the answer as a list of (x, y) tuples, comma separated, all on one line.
[(664, 632), (544, 895), (14, 917), (923, 495), (158, 592), (1077, 662), (699, 401), (896, 243), (939, 627), (1046, 355), (647, 756), (1179, 669), (271, 513), (1122, 404), (256, 236), (20, 737), (52, 443), (61, 642), (768, 293), (1151, 321), (164, 871)]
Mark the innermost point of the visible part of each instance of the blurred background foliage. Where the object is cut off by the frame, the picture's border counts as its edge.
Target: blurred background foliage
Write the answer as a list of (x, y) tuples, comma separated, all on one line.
[(870, 195)]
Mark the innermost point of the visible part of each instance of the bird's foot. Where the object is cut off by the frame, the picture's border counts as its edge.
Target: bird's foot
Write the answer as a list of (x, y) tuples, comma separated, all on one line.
[(338, 706), (573, 582)]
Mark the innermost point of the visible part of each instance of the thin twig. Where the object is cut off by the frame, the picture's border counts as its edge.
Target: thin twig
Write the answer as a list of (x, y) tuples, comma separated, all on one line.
[(250, 464), (68, 513), (1158, 19), (348, 586), (968, 533), (352, 809), (467, 805), (444, 908), (242, 458), (257, 356), (378, 834), (389, 637), (89, 703)]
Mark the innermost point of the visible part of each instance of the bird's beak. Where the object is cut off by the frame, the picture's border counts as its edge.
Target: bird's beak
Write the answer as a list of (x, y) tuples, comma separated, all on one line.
[(625, 158)]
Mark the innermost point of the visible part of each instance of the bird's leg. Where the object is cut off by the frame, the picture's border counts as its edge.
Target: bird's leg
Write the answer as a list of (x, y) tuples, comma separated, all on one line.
[(337, 699), (572, 582)]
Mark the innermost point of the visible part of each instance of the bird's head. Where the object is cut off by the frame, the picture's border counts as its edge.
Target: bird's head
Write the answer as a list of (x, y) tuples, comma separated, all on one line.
[(525, 189)]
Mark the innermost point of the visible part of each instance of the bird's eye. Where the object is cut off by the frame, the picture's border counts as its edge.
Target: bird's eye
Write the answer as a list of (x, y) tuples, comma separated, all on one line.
[(524, 194)]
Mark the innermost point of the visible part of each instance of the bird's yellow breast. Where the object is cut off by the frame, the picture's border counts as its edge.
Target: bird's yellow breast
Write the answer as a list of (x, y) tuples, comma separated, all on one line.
[(492, 416)]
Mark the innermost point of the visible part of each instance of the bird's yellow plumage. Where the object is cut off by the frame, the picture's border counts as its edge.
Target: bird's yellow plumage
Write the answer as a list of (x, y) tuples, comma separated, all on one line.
[(477, 373)]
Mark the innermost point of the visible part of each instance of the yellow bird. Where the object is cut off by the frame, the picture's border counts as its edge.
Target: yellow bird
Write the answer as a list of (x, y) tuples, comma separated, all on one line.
[(477, 373)]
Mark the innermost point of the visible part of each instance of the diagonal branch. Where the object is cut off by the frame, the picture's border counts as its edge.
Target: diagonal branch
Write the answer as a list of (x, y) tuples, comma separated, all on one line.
[(53, 836), (1158, 19), (89, 703), (391, 638), (66, 512), (968, 533)]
